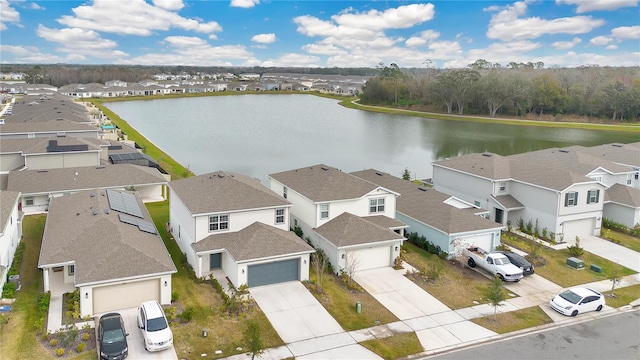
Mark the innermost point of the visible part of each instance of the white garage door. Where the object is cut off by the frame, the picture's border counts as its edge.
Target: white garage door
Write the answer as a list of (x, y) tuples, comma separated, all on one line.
[(370, 258), (122, 296), (482, 241), (580, 228)]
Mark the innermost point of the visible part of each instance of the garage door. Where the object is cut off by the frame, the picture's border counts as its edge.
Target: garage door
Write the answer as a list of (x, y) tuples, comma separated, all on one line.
[(272, 273), (370, 258), (482, 241), (122, 296), (583, 227)]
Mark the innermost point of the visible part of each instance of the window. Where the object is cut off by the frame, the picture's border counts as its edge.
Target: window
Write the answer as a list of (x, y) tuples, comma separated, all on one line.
[(476, 203), (597, 178), (28, 201), (31, 135), (376, 205), (218, 222), (593, 196), (324, 211), (284, 192), (72, 270), (503, 186), (571, 199), (629, 179), (279, 216)]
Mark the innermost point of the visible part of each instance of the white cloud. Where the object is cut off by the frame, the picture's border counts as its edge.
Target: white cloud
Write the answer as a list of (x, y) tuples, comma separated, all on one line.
[(9, 15), (213, 37), (600, 40), (566, 45), (598, 5), (626, 32), (186, 41), (169, 4), (244, 3), (80, 42), (29, 54), (293, 60), (323, 49), (507, 25), (422, 38), (264, 38), (612, 47), (140, 18)]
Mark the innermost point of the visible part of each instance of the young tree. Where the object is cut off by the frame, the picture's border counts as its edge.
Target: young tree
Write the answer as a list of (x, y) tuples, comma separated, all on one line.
[(319, 261), (459, 245), (351, 266), (406, 174), (615, 277), (496, 295), (253, 340)]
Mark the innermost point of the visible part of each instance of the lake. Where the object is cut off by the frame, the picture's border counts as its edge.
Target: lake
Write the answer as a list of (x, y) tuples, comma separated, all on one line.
[(257, 135)]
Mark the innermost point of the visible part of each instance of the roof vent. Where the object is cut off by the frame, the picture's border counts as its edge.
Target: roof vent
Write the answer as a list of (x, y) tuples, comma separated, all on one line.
[(100, 167), (42, 171), (564, 151), (486, 154), (93, 194), (378, 173), (617, 145), (324, 168), (422, 188), (220, 176), (95, 212), (106, 211)]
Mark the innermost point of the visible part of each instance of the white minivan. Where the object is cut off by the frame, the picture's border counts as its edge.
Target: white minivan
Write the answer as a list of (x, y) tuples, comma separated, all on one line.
[(155, 328)]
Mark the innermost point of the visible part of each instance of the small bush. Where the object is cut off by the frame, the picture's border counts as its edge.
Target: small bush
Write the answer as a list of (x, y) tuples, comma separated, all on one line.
[(60, 351), (520, 224), (81, 347), (9, 290), (174, 296), (171, 313), (85, 337), (53, 342), (529, 227), (187, 314), (43, 309), (17, 260)]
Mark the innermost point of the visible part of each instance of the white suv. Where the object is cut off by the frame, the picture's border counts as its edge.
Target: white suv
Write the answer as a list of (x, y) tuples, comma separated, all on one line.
[(155, 328)]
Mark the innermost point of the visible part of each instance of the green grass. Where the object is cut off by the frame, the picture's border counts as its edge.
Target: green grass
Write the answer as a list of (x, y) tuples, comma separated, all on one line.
[(623, 296), (556, 269), (458, 287), (622, 239), (225, 333), (396, 346), (514, 320), (341, 304)]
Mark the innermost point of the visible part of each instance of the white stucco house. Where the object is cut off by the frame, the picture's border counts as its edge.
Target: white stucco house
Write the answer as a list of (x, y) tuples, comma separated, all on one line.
[(104, 243), (231, 222), (442, 219), (622, 204), (10, 232), (351, 219)]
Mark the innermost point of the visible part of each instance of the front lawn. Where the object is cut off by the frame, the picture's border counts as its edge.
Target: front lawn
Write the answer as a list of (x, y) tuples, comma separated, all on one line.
[(622, 239), (225, 332), (340, 302), (454, 285), (514, 320), (557, 271), (623, 296), (396, 346)]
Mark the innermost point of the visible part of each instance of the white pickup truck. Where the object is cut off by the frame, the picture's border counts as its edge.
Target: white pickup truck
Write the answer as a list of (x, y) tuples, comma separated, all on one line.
[(495, 263)]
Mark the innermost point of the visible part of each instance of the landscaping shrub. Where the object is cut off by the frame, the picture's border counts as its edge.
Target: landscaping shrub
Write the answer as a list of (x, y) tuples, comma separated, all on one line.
[(610, 224), (529, 227), (9, 290), (85, 337), (43, 309), (174, 296), (81, 347), (520, 224), (17, 260), (298, 231), (187, 314), (171, 313), (53, 342), (60, 351), (575, 249)]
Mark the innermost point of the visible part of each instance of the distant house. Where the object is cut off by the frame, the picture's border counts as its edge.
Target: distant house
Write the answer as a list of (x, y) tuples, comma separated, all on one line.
[(104, 243), (351, 219), (10, 231), (442, 219), (30, 130), (115, 83), (622, 205), (231, 222)]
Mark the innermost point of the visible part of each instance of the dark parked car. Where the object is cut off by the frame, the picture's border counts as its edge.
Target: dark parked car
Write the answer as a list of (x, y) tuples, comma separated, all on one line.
[(112, 337), (519, 261)]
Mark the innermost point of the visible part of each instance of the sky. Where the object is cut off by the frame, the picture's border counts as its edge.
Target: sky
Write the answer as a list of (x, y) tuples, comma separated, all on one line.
[(322, 33)]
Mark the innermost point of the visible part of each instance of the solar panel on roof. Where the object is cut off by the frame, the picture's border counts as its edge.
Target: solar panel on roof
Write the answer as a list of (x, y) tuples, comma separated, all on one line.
[(124, 203), (127, 219), (146, 226)]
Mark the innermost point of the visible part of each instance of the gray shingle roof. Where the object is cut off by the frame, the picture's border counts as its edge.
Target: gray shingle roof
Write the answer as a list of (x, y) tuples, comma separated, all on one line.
[(623, 194), (39, 145), (509, 202), (256, 241), (487, 165), (53, 126), (103, 247), (386, 222), (348, 230), (428, 206), (321, 183), (8, 200), (224, 191), (81, 178), (574, 159), (628, 154)]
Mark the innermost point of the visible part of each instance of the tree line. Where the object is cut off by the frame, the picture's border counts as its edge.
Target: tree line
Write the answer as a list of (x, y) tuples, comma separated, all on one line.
[(517, 90)]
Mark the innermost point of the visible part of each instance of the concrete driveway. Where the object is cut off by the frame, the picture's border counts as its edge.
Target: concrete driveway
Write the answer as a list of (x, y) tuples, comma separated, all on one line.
[(309, 331), (610, 251), (401, 296), (135, 341)]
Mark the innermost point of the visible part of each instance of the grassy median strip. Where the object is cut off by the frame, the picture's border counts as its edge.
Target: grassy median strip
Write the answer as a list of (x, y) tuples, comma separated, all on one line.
[(224, 332), (622, 239), (623, 296), (514, 320), (396, 346)]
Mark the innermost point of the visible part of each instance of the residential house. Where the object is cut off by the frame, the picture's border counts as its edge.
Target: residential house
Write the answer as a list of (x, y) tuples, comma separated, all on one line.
[(230, 222), (351, 219), (10, 232), (622, 205), (38, 187), (556, 200), (627, 155), (442, 219), (104, 244), (115, 83), (34, 129)]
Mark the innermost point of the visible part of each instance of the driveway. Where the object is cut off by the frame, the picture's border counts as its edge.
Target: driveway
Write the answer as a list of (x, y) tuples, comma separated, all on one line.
[(401, 296), (610, 251), (135, 341)]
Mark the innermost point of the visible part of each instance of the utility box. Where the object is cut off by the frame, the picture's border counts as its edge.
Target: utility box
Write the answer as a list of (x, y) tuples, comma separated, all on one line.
[(575, 263), (16, 280), (595, 268)]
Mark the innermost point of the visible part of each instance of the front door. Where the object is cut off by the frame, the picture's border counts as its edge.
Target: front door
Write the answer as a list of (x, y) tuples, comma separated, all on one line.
[(499, 215), (215, 261)]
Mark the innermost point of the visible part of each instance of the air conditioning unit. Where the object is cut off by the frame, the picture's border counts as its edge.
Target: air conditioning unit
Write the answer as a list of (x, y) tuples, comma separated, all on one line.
[(16, 280)]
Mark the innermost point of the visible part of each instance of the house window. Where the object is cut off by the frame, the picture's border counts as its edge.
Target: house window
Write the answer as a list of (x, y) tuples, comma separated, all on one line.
[(503, 186), (28, 201), (324, 211), (571, 199), (476, 203), (219, 222), (279, 216), (284, 192), (31, 135), (597, 178), (72, 270), (376, 205), (593, 196), (629, 179)]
